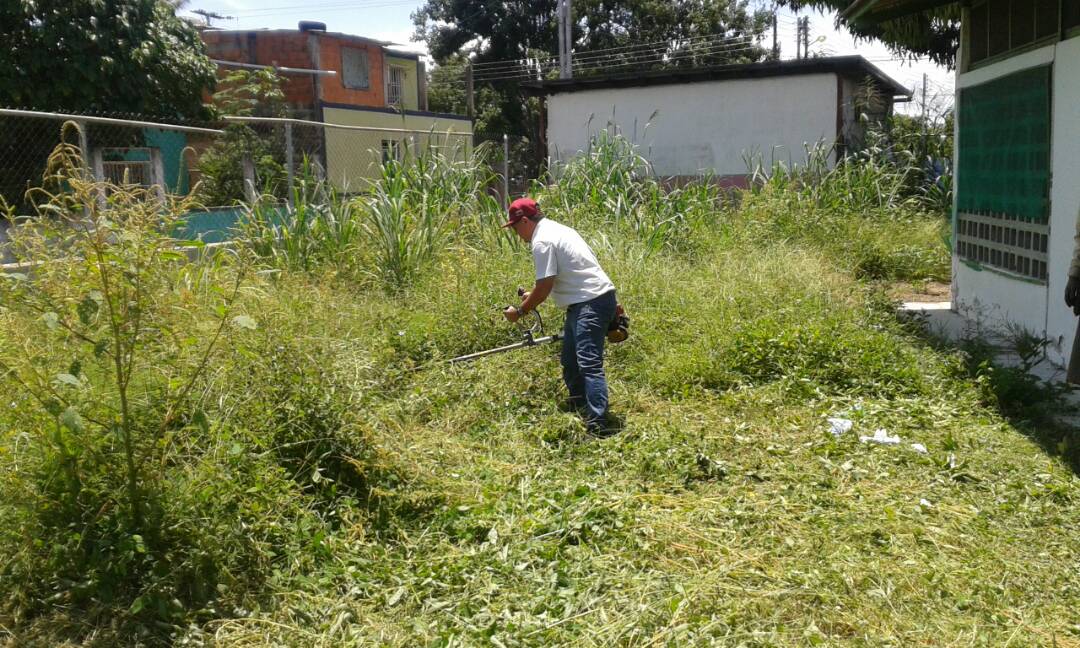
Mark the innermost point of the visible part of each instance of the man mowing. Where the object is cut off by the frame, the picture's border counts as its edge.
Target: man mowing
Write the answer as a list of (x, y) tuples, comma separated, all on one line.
[(567, 270)]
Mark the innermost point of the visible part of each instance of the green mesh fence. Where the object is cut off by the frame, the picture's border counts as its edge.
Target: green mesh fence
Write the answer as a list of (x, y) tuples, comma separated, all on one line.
[(1004, 144)]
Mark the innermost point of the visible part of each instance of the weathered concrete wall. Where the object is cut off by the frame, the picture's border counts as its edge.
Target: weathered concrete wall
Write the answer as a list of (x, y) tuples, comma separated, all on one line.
[(702, 128)]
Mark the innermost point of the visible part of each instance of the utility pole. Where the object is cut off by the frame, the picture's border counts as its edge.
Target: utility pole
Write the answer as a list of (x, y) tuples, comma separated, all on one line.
[(798, 39), (806, 37), (925, 113), (566, 39), (469, 107), (775, 30), (925, 77)]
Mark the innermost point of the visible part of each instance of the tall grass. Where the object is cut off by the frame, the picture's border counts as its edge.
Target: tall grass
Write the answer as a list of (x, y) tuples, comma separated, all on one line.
[(326, 482), (613, 185), (425, 205), (321, 226), (390, 231), (861, 210)]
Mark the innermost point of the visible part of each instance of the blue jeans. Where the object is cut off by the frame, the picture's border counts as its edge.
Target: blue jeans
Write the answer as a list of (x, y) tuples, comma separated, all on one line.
[(583, 355)]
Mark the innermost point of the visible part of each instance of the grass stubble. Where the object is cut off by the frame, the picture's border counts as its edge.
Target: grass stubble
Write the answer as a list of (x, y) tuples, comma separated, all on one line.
[(723, 513)]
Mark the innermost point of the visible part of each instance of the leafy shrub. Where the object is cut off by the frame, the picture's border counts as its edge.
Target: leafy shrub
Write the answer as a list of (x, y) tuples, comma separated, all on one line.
[(244, 93), (124, 331)]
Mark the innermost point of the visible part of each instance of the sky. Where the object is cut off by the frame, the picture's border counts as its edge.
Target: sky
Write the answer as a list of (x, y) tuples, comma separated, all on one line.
[(391, 20)]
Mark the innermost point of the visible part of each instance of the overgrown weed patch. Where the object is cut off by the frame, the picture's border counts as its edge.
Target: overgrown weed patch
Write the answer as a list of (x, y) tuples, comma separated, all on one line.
[(341, 485)]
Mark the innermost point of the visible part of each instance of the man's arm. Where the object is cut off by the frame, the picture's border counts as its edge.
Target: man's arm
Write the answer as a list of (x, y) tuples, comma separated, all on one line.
[(533, 298), (1072, 288), (538, 294)]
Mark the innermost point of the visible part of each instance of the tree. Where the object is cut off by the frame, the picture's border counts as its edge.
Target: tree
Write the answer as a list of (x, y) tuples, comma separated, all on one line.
[(484, 31), (113, 56), (933, 32), (116, 55), (245, 93)]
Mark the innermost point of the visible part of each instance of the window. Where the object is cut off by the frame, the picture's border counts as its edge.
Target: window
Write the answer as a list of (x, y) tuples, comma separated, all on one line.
[(1000, 26), (126, 166), (395, 85), (1003, 178), (354, 68), (1046, 17), (391, 150), (1070, 12)]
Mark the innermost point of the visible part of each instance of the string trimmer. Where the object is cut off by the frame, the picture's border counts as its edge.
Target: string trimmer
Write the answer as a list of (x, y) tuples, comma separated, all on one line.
[(533, 335)]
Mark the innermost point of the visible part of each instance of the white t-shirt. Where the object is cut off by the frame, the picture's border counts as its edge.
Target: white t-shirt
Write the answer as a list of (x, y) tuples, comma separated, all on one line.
[(558, 251)]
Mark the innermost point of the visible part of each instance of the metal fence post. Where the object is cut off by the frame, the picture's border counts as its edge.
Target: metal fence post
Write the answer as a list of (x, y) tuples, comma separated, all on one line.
[(157, 175), (94, 170), (506, 171), (289, 161), (249, 178)]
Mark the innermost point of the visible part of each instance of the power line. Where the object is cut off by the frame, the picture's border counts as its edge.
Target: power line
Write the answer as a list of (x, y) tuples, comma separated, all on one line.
[(376, 4), (665, 43), (530, 73), (641, 60), (594, 56)]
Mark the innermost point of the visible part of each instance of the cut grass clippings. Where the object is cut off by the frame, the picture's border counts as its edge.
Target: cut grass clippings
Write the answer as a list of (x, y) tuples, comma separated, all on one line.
[(348, 488)]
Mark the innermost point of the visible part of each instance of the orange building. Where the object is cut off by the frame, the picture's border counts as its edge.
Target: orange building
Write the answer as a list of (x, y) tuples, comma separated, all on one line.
[(322, 67), (350, 81)]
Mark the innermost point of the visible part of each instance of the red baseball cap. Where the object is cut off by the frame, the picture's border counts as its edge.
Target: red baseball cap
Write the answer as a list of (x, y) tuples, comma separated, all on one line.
[(521, 208)]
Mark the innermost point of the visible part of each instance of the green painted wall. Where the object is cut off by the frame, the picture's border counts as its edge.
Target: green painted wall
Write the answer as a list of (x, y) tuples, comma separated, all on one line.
[(171, 144)]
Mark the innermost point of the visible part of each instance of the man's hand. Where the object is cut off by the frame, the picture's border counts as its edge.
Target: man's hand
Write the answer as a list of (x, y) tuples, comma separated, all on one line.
[(511, 314), (1072, 294)]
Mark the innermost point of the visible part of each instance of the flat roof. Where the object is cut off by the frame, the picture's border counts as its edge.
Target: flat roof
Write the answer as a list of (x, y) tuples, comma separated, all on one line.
[(855, 67), (318, 32)]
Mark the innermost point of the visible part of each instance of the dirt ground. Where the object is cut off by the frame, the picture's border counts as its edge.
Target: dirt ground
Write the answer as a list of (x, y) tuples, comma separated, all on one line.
[(922, 291)]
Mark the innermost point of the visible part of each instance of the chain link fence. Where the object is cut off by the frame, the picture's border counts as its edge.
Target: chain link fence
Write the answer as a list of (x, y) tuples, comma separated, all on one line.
[(222, 164), (516, 160)]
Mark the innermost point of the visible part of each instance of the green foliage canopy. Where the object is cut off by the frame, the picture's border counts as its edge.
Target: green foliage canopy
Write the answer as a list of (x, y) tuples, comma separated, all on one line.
[(491, 30), (934, 32), (121, 56)]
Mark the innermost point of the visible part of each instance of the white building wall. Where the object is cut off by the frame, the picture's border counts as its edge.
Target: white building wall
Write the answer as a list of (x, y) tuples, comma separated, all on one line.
[(999, 299), (706, 127)]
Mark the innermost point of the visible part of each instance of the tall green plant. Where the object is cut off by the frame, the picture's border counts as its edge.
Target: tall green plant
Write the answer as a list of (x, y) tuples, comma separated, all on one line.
[(117, 354), (416, 208), (423, 205), (245, 93), (320, 226), (614, 185)]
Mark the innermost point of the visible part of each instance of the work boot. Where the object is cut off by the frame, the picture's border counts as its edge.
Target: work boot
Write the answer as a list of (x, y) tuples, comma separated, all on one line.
[(573, 405), (600, 428)]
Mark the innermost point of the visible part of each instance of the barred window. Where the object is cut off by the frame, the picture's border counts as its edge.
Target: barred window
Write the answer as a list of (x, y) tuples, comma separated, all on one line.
[(395, 85), (391, 150)]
